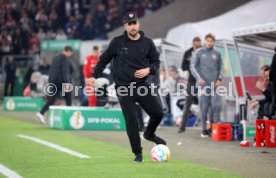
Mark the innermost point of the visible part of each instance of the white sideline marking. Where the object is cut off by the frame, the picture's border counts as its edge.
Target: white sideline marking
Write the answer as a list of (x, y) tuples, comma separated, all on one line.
[(53, 145), (8, 172)]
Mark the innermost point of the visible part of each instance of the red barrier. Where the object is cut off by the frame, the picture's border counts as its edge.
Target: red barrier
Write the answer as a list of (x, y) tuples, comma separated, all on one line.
[(266, 133)]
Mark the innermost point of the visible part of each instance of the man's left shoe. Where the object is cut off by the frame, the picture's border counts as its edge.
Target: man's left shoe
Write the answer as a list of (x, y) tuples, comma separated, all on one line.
[(181, 130), (40, 118)]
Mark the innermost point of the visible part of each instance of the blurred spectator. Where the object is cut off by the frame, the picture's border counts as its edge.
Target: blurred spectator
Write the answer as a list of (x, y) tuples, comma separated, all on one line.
[(34, 43), (10, 70), (6, 42), (100, 19), (173, 80), (266, 88), (60, 35), (20, 19), (68, 8), (87, 29), (17, 43), (71, 27), (41, 34), (26, 22), (44, 67)]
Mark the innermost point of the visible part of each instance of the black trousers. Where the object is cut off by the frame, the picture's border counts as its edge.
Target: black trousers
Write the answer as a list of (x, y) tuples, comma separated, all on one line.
[(150, 104), (9, 86), (52, 99), (189, 100)]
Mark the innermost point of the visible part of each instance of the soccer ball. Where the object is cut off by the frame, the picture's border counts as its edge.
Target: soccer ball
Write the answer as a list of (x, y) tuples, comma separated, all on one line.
[(160, 153)]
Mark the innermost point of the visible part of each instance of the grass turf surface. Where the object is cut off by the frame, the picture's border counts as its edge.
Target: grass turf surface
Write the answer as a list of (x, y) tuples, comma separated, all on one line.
[(31, 159)]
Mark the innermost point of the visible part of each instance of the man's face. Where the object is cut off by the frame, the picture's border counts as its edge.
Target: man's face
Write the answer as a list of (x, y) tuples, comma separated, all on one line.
[(132, 28), (209, 42), (69, 53), (266, 74), (197, 44), (10, 59), (262, 73), (174, 75)]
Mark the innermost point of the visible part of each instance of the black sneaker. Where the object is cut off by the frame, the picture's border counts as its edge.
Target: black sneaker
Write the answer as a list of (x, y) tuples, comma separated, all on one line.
[(138, 158), (205, 134), (157, 140), (210, 132), (181, 130)]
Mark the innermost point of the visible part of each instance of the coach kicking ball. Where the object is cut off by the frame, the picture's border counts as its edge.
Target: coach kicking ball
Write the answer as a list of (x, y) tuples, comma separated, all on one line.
[(134, 58)]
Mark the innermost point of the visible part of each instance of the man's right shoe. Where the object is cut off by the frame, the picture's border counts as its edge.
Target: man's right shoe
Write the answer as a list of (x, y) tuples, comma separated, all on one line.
[(205, 134), (40, 118), (157, 140), (138, 158), (181, 130)]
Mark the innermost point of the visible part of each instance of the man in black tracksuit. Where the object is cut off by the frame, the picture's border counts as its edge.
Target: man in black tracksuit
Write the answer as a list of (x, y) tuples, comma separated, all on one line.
[(134, 58), (191, 83), (60, 73)]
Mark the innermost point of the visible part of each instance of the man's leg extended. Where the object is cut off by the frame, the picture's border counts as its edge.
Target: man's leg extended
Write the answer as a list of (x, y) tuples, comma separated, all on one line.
[(153, 108), (129, 111)]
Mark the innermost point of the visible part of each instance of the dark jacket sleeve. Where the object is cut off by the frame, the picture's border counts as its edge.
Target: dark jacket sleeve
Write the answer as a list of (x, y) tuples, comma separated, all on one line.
[(65, 67), (272, 74), (185, 62), (268, 93), (105, 58), (153, 57)]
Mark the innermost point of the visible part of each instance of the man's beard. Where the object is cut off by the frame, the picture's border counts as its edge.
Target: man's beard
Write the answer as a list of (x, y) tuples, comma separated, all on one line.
[(133, 33)]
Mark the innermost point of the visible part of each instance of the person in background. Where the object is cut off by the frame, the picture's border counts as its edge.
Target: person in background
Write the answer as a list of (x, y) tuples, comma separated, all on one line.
[(10, 69), (88, 68), (44, 67), (191, 85), (59, 74), (207, 67), (265, 87)]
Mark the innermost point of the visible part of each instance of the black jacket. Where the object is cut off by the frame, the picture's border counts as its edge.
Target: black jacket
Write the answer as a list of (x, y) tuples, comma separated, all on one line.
[(10, 69), (60, 70), (128, 56), (186, 65), (272, 74)]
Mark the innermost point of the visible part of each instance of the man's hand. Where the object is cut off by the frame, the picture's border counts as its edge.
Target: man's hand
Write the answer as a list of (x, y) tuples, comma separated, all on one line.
[(218, 83), (91, 81), (201, 81), (142, 73), (253, 104)]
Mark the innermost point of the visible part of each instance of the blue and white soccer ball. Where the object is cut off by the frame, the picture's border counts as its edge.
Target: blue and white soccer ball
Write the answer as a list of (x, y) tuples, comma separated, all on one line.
[(160, 153)]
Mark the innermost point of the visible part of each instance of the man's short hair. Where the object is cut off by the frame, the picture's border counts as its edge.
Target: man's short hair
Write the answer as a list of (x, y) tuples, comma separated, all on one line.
[(196, 39), (68, 48), (95, 47), (265, 67), (210, 35)]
